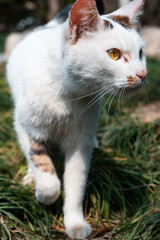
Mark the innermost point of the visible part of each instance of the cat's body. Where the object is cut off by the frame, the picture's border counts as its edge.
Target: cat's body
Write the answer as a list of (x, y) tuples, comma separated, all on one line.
[(50, 72), (52, 97)]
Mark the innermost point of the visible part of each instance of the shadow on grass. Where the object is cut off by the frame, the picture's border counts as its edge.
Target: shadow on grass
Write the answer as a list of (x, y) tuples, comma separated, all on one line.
[(115, 185)]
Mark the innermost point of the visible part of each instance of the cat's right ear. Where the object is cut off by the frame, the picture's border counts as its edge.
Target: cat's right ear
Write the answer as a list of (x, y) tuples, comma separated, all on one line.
[(83, 18), (131, 10)]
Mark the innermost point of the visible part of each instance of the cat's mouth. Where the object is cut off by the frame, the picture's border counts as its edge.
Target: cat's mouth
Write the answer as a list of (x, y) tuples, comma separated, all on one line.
[(133, 88), (137, 81), (134, 84)]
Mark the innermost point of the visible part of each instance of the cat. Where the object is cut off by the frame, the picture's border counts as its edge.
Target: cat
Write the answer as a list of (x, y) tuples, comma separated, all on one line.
[(58, 75)]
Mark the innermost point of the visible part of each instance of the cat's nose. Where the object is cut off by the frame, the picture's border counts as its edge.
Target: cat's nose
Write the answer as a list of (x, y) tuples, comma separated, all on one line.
[(142, 74)]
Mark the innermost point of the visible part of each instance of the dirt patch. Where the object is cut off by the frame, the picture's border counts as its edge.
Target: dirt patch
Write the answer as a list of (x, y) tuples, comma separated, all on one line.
[(148, 113)]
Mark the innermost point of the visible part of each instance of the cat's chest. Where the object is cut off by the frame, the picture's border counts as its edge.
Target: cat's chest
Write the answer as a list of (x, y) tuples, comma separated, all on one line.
[(58, 120)]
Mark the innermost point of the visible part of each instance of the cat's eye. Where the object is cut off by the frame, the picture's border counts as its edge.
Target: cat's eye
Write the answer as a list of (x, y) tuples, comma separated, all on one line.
[(114, 53), (141, 54)]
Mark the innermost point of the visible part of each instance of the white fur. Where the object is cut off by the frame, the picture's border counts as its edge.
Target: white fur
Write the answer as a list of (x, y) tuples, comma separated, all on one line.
[(131, 10), (49, 77), (47, 187), (29, 177)]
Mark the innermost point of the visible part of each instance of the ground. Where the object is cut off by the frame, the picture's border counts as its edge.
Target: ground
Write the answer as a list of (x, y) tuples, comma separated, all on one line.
[(122, 199)]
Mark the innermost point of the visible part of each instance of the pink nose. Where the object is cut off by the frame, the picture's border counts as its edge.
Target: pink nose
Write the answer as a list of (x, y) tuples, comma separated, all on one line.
[(142, 74)]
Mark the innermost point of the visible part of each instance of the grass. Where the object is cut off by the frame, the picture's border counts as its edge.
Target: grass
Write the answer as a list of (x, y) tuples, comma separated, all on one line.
[(2, 41), (122, 199)]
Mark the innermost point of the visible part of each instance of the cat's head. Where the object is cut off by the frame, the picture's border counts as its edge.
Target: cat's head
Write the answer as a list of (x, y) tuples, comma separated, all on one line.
[(102, 51)]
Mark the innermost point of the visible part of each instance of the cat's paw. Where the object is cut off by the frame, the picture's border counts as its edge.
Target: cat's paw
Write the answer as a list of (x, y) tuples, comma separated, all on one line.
[(28, 178), (79, 231), (48, 193)]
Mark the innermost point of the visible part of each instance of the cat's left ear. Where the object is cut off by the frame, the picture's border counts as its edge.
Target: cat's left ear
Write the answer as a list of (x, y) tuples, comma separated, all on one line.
[(131, 10), (83, 18)]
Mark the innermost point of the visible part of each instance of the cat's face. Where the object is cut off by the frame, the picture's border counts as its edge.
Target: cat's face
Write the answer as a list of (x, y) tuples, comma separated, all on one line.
[(124, 58), (105, 51)]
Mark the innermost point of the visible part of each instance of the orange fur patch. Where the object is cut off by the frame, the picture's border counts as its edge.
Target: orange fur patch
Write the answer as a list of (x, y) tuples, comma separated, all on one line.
[(40, 157), (43, 163), (123, 20), (37, 146), (107, 24), (132, 80), (83, 17)]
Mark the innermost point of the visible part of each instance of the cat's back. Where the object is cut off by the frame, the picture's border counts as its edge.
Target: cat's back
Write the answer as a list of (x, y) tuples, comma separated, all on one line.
[(37, 55)]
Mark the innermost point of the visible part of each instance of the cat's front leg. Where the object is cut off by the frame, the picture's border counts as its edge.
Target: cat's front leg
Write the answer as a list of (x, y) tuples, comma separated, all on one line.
[(76, 170), (46, 181), (41, 168)]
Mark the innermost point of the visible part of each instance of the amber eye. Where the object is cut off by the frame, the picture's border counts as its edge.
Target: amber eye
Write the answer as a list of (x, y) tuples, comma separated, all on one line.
[(141, 54), (114, 53)]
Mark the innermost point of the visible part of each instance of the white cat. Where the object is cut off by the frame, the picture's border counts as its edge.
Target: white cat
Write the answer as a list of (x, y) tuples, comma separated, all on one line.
[(57, 76)]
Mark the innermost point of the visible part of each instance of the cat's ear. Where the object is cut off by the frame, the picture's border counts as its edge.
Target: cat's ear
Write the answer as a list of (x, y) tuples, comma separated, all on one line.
[(131, 10), (83, 18)]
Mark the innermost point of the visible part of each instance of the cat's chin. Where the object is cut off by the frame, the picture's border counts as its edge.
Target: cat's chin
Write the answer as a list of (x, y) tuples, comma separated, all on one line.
[(131, 90)]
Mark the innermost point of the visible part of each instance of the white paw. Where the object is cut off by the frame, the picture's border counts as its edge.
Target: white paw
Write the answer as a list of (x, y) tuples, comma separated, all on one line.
[(48, 192), (79, 231), (28, 178)]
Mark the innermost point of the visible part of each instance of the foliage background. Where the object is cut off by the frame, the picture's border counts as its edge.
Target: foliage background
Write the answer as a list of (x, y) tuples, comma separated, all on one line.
[(14, 11)]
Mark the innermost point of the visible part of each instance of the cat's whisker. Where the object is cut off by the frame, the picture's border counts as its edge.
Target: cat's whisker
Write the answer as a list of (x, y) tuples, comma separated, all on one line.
[(112, 100), (93, 101), (106, 88), (146, 96), (123, 96), (122, 89), (96, 98), (108, 99), (90, 94), (151, 84), (119, 99), (148, 88)]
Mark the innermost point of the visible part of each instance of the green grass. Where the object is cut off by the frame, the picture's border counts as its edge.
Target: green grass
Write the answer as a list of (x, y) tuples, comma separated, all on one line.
[(122, 199), (2, 41)]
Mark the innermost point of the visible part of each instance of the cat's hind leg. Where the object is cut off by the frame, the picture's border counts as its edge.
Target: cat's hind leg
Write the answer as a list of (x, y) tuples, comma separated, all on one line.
[(47, 183), (25, 145)]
